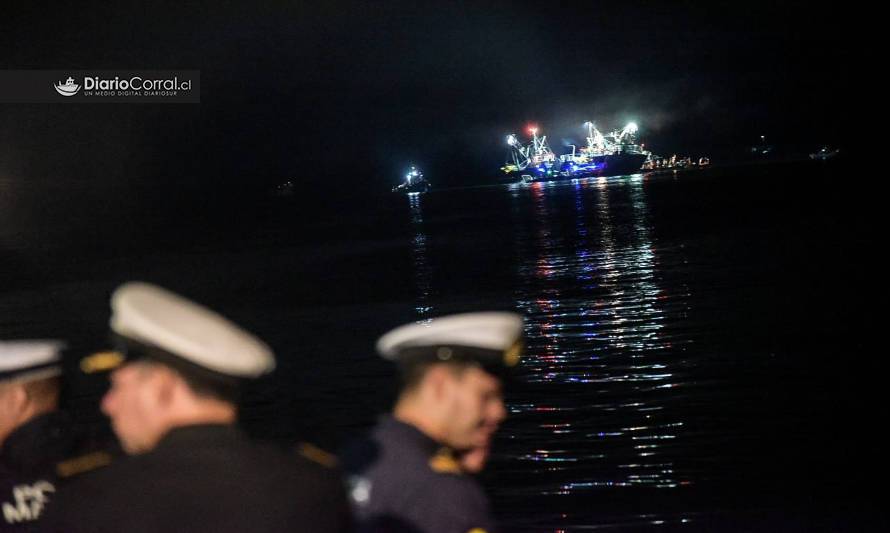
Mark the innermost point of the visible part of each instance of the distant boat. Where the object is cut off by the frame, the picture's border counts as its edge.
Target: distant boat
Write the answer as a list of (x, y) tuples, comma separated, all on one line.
[(656, 163), (824, 154), (284, 189), (763, 148), (414, 183)]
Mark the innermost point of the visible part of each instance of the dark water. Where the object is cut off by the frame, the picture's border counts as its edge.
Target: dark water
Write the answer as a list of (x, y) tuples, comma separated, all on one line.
[(698, 354)]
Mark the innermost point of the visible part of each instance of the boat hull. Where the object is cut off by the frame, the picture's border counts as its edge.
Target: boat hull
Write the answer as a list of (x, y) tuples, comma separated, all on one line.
[(603, 165), (608, 165), (413, 188)]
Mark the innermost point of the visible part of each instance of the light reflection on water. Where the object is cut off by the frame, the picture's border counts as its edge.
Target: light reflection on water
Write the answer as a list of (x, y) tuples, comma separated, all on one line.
[(593, 407), (613, 410), (606, 333), (422, 268)]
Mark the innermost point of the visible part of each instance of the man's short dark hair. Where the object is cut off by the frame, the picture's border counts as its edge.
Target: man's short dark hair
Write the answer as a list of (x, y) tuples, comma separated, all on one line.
[(411, 374), (212, 386), (202, 381)]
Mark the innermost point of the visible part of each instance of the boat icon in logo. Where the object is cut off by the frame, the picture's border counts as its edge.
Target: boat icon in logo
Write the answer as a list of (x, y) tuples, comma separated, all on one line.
[(69, 88)]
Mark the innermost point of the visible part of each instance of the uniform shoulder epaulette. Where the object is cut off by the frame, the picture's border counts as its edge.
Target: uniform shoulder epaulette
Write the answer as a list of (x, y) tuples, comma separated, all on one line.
[(317, 455), (443, 462), (82, 464)]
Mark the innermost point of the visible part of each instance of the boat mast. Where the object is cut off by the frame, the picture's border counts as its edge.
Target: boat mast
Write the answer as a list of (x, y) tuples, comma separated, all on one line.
[(542, 152), (521, 154), (596, 142), (628, 132)]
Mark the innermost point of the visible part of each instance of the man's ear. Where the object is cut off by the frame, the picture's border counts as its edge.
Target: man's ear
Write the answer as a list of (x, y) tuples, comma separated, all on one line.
[(166, 382)]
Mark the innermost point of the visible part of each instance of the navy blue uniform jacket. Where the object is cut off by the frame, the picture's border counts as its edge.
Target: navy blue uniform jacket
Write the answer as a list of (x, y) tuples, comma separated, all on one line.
[(402, 480)]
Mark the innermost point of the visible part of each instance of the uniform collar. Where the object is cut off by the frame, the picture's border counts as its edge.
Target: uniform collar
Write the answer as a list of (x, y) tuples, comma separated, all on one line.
[(200, 435), (44, 436), (407, 433)]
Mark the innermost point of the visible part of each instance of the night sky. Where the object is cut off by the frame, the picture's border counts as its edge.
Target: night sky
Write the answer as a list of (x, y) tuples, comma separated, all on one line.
[(347, 94)]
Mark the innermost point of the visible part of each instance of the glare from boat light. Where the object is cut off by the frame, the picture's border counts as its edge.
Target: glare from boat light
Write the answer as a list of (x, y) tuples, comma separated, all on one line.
[(632, 127), (511, 140)]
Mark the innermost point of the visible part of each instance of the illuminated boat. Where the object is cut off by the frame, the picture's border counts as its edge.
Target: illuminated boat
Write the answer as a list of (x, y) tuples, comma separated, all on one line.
[(614, 154), (414, 183), (532, 161), (674, 163)]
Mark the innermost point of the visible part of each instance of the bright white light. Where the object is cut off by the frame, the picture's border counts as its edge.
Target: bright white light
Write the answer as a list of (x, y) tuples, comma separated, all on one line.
[(632, 127)]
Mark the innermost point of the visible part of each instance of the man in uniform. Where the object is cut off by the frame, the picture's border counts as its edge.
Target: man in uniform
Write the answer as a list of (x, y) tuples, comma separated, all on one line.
[(410, 474), (34, 434), (172, 405)]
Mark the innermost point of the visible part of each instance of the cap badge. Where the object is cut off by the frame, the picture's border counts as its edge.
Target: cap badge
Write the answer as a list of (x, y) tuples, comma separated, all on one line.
[(101, 361), (511, 355)]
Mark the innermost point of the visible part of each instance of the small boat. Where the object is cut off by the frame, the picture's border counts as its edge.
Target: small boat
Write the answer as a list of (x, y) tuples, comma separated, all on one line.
[(414, 183), (824, 154)]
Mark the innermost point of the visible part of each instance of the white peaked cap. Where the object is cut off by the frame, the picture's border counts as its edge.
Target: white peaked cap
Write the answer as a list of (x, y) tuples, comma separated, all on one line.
[(151, 315), (27, 360), (497, 333)]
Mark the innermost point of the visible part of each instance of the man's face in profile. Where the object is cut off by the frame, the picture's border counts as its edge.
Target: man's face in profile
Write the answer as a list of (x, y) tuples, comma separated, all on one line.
[(132, 404), (475, 410)]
